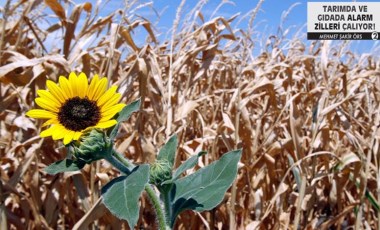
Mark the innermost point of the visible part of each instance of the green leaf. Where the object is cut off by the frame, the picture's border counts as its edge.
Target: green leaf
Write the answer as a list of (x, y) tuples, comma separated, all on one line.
[(121, 195), (124, 115), (66, 165), (188, 164), (127, 111), (205, 189), (167, 152)]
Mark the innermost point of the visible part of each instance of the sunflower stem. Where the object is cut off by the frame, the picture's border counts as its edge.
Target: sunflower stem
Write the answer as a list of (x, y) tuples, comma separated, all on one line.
[(160, 214), (168, 208), (122, 159), (117, 164)]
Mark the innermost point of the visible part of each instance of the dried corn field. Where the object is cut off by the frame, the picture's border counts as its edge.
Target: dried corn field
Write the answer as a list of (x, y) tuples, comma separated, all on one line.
[(307, 116)]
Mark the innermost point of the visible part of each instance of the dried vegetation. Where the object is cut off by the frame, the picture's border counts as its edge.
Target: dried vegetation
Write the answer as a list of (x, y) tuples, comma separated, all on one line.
[(307, 117)]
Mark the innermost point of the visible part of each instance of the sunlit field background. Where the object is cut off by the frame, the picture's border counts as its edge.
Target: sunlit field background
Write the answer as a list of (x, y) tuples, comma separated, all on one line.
[(306, 114)]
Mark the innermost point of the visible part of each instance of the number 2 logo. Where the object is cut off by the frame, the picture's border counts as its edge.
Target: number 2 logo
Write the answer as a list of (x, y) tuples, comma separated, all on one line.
[(375, 35)]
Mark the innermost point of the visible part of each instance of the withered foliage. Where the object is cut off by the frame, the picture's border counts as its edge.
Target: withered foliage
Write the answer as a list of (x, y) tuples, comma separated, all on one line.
[(306, 116)]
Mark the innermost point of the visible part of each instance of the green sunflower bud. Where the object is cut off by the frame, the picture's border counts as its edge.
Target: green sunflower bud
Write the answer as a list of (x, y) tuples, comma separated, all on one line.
[(160, 171), (92, 146)]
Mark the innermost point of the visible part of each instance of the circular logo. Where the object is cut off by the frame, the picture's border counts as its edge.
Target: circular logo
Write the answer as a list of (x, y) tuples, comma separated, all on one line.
[(374, 35)]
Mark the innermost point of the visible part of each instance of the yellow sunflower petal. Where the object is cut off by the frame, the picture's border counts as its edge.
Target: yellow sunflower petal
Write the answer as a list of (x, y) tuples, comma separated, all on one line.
[(68, 137), (106, 124), (48, 132), (77, 135), (92, 88), (65, 86), (59, 132), (47, 95), (82, 85), (50, 122), (46, 104), (56, 91), (73, 79), (107, 96), (112, 101), (40, 113), (111, 112), (100, 88)]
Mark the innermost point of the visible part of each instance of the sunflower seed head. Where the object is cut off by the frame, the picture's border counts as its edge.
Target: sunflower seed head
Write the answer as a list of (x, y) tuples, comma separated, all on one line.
[(92, 146)]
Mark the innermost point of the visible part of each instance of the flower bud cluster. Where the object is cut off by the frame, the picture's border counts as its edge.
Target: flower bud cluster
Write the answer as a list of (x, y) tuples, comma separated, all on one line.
[(160, 171), (92, 146)]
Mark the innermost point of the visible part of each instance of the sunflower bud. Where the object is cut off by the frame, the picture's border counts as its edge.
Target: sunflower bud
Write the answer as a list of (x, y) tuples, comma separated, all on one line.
[(92, 146), (160, 171)]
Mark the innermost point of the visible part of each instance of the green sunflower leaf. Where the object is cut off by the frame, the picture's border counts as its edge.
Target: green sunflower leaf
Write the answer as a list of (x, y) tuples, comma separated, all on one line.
[(167, 152), (205, 189), (127, 111), (188, 164), (124, 115), (66, 165), (121, 195)]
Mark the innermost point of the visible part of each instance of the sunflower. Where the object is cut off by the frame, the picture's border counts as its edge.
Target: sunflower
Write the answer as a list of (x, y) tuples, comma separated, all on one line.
[(74, 106)]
